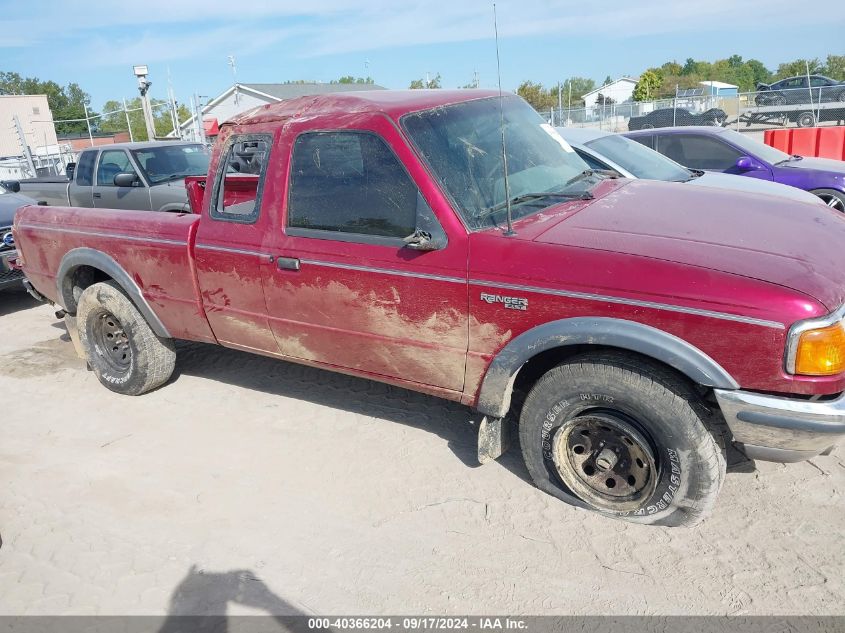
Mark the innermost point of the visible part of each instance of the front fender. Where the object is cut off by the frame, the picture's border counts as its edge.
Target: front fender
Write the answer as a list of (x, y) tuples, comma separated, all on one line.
[(494, 397)]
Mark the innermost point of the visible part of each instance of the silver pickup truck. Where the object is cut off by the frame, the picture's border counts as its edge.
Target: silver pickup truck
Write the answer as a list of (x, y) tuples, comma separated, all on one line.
[(144, 176)]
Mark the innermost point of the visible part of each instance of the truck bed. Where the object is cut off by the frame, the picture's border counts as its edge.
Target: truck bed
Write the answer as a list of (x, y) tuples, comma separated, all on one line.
[(156, 247)]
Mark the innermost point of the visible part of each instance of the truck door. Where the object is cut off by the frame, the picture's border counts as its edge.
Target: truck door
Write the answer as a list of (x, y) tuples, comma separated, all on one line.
[(79, 192), (344, 288), (229, 245), (107, 194)]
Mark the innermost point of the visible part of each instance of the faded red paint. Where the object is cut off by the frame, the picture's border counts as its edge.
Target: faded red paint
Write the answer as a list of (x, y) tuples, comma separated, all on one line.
[(640, 241)]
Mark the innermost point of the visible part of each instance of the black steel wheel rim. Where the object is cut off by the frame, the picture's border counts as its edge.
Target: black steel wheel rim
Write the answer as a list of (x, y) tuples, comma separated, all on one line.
[(604, 458), (112, 343)]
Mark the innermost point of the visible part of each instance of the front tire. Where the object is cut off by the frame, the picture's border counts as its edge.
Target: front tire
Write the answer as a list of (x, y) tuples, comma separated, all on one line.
[(832, 198), (624, 438), (121, 348)]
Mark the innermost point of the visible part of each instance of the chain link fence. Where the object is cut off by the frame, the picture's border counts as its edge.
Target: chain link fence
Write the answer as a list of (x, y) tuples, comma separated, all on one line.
[(751, 111)]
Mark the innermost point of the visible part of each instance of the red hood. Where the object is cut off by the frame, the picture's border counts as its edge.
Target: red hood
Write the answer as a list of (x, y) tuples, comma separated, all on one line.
[(793, 244)]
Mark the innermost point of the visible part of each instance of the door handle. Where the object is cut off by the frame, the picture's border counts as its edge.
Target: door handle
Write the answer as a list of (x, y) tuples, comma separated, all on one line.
[(97, 195), (287, 263)]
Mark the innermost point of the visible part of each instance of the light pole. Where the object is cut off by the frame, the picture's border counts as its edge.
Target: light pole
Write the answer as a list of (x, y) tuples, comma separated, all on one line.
[(144, 84)]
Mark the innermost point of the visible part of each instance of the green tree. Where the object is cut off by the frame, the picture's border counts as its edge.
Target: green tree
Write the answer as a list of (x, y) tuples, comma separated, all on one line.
[(66, 102), (349, 79), (535, 94), (797, 67), (433, 82), (834, 67), (114, 118), (648, 86), (607, 81)]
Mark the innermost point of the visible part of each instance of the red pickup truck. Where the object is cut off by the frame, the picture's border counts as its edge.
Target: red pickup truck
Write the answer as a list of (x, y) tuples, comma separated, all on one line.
[(366, 233)]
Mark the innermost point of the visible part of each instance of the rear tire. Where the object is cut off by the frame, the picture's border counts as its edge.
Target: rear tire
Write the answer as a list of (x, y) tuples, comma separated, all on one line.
[(625, 438), (121, 348)]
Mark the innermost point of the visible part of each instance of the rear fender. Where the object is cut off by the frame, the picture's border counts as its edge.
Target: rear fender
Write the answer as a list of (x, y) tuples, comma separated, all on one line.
[(79, 257), (494, 397)]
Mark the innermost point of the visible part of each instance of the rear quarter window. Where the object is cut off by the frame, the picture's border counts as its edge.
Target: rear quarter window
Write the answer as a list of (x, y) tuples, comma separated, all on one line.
[(85, 168)]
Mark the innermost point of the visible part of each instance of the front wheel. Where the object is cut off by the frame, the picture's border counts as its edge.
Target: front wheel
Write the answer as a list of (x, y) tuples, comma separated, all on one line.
[(622, 437), (121, 348), (832, 198)]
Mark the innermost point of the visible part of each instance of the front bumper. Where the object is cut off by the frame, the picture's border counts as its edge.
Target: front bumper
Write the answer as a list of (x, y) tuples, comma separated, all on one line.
[(9, 277), (776, 429)]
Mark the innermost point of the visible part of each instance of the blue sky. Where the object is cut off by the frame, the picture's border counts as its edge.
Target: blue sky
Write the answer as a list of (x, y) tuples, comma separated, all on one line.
[(95, 43)]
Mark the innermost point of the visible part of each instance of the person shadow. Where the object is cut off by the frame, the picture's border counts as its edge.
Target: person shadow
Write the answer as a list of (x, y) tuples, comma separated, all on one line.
[(200, 602)]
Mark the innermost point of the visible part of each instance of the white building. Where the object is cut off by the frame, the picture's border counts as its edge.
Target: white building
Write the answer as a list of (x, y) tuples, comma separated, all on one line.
[(35, 117), (242, 97), (617, 91)]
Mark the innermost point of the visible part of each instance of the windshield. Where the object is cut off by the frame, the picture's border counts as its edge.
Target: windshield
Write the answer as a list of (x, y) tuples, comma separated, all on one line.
[(638, 159), (169, 162), (462, 143), (755, 148)]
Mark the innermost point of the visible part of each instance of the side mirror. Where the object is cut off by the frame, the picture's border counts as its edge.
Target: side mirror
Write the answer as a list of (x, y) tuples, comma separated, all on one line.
[(421, 240), (126, 179), (745, 163)]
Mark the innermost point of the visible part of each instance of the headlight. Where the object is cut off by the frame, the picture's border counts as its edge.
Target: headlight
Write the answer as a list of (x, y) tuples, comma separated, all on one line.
[(817, 347)]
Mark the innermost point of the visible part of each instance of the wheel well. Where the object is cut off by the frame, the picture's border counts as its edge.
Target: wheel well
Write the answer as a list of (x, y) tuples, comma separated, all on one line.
[(78, 280), (538, 365)]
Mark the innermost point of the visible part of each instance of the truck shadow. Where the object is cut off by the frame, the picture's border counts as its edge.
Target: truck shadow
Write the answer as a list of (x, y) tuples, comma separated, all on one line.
[(15, 300), (200, 601), (453, 422)]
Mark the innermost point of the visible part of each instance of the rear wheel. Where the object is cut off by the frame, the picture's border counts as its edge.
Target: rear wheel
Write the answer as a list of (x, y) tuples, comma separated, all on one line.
[(832, 198), (121, 348), (806, 119), (622, 437)]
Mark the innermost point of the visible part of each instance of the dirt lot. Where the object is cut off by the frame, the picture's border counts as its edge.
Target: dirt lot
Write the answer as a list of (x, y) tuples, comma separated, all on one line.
[(252, 485)]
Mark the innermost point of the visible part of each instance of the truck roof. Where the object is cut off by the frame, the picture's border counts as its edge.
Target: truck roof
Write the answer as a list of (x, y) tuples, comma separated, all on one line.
[(141, 144), (393, 103)]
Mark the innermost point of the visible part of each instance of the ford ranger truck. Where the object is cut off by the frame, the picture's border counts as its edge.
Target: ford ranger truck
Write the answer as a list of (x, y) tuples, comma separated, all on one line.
[(368, 233)]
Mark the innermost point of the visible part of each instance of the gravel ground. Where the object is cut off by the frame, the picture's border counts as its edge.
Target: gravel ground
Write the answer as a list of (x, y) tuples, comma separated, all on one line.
[(249, 485)]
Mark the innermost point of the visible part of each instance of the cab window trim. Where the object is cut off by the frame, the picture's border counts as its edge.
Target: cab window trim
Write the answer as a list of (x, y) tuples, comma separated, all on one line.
[(348, 236), (253, 217)]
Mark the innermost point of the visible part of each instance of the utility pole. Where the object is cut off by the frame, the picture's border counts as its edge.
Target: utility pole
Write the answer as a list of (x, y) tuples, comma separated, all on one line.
[(88, 123), (27, 154), (476, 79), (171, 97), (128, 124), (144, 84), (198, 120), (234, 77)]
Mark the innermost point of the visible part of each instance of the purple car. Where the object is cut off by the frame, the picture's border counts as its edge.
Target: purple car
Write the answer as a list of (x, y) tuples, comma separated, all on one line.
[(728, 151)]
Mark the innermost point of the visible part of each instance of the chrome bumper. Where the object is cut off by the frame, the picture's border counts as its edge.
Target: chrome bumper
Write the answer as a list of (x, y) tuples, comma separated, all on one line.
[(777, 429)]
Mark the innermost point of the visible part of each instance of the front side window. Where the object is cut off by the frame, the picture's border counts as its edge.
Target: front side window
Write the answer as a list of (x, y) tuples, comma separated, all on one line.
[(237, 195), (112, 163), (698, 152), (350, 182), (85, 168)]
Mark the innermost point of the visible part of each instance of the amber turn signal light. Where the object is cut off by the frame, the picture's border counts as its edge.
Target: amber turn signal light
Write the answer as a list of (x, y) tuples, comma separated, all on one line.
[(821, 352)]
